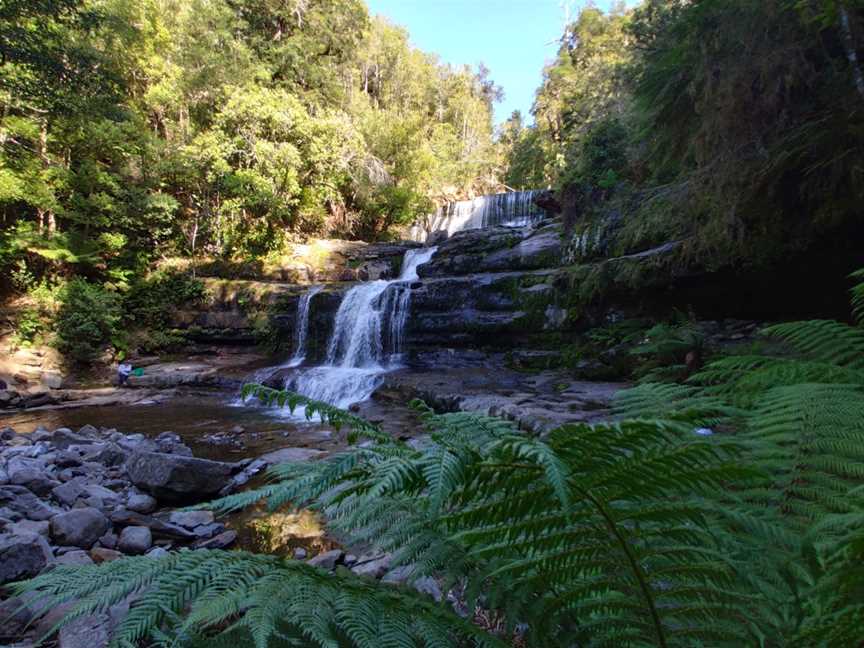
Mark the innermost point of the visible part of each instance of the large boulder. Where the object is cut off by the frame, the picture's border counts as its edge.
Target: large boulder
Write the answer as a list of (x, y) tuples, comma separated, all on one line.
[(22, 556), (178, 478), (79, 527)]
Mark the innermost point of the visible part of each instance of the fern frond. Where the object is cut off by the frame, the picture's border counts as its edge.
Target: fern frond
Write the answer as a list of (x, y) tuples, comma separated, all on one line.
[(823, 340), (271, 598)]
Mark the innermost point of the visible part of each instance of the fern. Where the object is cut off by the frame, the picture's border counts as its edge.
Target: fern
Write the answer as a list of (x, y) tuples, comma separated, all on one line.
[(635, 533), (211, 596)]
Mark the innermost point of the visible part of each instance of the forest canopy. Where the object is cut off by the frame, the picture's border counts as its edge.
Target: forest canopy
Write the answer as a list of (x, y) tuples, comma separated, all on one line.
[(222, 127), (735, 125)]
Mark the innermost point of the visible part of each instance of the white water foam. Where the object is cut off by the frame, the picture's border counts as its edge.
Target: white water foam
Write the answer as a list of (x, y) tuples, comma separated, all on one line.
[(367, 339), (511, 209)]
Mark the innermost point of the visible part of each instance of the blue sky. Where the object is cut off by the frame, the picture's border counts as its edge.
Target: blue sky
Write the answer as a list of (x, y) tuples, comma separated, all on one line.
[(514, 38)]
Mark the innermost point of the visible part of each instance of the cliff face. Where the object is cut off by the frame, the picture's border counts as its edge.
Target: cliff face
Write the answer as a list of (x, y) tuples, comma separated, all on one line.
[(516, 288)]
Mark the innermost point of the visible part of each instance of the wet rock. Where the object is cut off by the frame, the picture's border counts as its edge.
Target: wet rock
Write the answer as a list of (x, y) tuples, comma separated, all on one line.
[(174, 478), (135, 540), (326, 560), (221, 541), (79, 527), (243, 477), (22, 502), (141, 503), (22, 556)]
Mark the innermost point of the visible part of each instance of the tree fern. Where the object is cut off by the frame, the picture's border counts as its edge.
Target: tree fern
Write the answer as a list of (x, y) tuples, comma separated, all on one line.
[(207, 596)]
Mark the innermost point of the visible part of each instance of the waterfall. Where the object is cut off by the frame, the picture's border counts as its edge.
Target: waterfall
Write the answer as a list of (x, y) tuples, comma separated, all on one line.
[(512, 209), (367, 338), (301, 327)]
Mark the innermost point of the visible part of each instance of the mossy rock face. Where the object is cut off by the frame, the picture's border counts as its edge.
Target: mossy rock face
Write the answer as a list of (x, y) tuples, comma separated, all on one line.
[(531, 360)]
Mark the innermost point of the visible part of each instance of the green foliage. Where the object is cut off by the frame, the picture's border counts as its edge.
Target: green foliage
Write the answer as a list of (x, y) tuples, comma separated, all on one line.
[(150, 302), (207, 598), (88, 319), (225, 129)]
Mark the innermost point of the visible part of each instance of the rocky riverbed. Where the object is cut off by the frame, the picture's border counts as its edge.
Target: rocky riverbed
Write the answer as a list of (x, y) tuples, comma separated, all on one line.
[(93, 495)]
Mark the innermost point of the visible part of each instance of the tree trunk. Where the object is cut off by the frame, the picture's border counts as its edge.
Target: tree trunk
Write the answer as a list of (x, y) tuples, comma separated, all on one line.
[(851, 52), (47, 220)]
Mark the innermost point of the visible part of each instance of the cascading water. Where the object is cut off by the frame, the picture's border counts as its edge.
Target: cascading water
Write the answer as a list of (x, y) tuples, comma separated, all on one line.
[(301, 328), (367, 338), (513, 209)]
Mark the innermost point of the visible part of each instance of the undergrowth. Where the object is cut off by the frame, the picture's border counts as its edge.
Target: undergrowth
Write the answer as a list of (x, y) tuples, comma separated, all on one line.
[(726, 511)]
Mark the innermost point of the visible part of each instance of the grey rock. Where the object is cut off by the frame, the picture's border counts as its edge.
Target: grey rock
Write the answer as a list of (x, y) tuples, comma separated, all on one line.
[(209, 530), (160, 528), (110, 455), (399, 574), (88, 431), (141, 503), (374, 566), (428, 585), (79, 527), (23, 527), (300, 553), (326, 560), (15, 616), (135, 540), (86, 632), (22, 556), (21, 501), (349, 560), (62, 438), (191, 519), (221, 541), (102, 493), (157, 552), (109, 540), (77, 557), (286, 455), (34, 481), (68, 493), (178, 478)]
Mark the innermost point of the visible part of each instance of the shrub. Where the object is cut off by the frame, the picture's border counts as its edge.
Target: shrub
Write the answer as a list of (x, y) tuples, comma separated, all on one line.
[(150, 301), (87, 320)]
